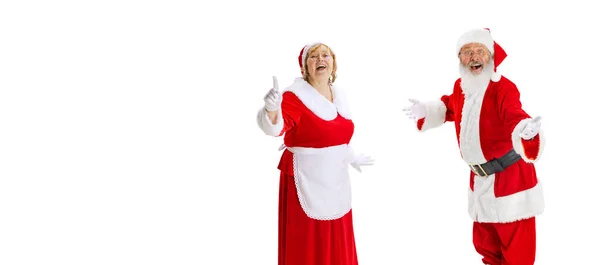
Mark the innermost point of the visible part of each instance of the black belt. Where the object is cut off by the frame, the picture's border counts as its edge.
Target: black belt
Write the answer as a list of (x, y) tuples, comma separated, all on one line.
[(496, 165)]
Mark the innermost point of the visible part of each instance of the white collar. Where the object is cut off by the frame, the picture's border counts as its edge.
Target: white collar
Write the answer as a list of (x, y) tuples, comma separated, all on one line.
[(317, 103)]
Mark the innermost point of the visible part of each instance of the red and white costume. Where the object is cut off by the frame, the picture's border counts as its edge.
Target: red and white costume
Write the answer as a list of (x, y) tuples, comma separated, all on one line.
[(488, 122), (315, 213)]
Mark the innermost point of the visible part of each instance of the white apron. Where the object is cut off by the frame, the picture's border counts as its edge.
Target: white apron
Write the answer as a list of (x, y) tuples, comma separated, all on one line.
[(323, 180)]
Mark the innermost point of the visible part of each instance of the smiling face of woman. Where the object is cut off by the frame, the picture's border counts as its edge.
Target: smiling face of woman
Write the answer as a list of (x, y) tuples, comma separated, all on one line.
[(320, 64)]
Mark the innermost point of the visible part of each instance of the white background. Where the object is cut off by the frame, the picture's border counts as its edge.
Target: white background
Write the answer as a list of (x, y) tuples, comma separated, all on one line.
[(128, 132)]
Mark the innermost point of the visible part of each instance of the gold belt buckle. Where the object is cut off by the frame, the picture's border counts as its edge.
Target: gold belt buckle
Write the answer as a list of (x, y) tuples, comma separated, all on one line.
[(475, 171)]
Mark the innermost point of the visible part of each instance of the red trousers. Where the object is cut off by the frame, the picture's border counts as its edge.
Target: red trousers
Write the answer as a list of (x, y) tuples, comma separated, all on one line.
[(506, 243)]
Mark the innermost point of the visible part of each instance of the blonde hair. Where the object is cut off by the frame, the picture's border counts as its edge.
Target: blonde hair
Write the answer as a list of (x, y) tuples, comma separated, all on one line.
[(311, 50)]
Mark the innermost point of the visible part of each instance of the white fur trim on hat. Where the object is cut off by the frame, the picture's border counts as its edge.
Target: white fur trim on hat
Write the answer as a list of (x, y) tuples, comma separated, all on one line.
[(305, 51), (482, 36)]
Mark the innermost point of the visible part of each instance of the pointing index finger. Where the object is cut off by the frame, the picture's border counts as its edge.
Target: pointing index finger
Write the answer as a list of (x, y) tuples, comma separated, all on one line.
[(275, 83)]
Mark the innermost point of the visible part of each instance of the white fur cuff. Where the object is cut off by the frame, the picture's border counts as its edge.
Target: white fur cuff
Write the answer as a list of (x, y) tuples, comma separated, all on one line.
[(530, 150), (264, 123), (435, 115)]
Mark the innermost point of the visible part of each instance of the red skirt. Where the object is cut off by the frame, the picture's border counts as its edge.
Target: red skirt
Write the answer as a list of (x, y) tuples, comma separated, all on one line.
[(304, 241)]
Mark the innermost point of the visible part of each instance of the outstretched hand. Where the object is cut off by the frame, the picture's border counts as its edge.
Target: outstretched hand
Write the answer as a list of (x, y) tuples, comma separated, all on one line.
[(416, 110), (361, 160), (532, 128)]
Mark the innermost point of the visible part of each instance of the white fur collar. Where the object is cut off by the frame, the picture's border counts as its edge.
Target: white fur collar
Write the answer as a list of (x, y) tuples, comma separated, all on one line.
[(317, 103)]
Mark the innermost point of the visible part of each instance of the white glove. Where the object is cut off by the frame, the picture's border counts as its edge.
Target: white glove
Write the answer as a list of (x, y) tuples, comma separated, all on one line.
[(273, 98), (531, 129), (361, 160), (356, 161), (416, 110)]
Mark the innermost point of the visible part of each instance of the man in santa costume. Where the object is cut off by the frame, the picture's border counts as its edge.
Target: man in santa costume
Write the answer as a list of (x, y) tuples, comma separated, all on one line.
[(499, 142)]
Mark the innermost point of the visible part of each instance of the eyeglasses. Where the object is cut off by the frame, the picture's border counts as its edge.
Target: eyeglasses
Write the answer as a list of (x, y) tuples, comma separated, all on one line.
[(315, 56), (470, 53)]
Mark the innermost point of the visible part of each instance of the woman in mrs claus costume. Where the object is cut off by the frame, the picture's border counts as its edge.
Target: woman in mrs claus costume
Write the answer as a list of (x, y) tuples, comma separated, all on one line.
[(315, 212)]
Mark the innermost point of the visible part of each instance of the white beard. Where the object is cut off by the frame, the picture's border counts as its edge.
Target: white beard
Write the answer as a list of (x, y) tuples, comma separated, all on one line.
[(471, 83)]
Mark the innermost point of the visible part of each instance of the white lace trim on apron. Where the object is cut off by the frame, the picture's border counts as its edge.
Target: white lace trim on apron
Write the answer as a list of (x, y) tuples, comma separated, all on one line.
[(322, 180)]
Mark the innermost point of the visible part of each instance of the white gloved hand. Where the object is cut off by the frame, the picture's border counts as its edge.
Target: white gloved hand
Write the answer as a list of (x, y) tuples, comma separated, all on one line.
[(361, 160), (356, 161), (273, 98), (416, 111), (531, 129)]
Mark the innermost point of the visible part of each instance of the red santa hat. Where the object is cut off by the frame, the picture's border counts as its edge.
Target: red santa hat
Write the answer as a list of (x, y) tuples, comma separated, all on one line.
[(484, 37), (303, 54)]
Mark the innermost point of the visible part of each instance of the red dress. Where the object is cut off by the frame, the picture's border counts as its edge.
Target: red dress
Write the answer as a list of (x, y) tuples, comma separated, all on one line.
[(311, 122)]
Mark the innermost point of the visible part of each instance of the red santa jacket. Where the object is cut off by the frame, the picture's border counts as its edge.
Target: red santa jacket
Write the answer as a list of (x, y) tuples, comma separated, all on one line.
[(488, 123)]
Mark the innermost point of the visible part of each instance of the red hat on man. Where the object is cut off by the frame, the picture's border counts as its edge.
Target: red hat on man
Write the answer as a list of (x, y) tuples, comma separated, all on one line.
[(484, 37)]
